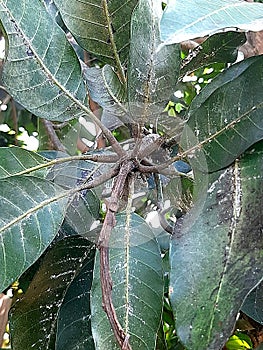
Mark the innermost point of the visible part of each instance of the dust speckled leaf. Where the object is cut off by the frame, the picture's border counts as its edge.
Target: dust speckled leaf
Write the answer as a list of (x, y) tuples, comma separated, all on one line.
[(221, 47), (188, 19), (136, 271), (15, 160), (101, 27), (152, 73), (41, 69), (217, 258), (226, 117), (31, 212), (55, 309)]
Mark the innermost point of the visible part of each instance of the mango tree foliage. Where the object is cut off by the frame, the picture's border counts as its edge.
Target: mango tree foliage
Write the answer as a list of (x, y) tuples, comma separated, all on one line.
[(180, 22), (86, 236)]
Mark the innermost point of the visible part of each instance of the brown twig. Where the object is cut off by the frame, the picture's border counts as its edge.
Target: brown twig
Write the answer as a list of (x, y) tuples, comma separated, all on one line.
[(57, 145), (103, 245), (5, 304)]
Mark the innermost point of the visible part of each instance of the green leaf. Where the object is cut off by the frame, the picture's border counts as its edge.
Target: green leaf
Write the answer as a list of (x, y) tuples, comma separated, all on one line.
[(55, 308), (15, 160), (226, 117), (136, 271), (253, 304), (186, 19), (239, 341), (41, 70), (84, 206), (152, 73), (217, 257), (31, 212), (221, 47), (106, 89), (100, 27)]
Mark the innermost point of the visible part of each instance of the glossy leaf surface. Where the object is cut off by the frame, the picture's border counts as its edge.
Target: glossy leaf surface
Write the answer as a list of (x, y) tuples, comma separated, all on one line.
[(136, 271), (54, 311), (217, 258), (187, 19)]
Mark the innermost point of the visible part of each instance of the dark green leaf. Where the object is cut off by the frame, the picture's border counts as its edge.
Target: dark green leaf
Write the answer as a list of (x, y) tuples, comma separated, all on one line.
[(253, 304), (226, 117), (57, 300), (136, 271), (15, 160), (82, 212), (41, 70), (74, 326), (183, 19), (217, 257), (31, 212), (152, 73), (222, 47), (100, 27)]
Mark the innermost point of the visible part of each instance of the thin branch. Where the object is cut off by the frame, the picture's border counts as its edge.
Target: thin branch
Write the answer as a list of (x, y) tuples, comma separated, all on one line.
[(63, 194), (112, 41), (103, 245), (57, 144), (102, 158)]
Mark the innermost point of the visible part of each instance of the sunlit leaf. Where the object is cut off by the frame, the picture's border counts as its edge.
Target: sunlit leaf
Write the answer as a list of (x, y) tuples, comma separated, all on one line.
[(187, 19), (136, 271), (217, 257)]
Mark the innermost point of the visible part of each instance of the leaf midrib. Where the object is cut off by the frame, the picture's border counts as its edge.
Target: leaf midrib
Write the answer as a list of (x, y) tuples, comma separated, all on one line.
[(213, 136), (49, 74), (237, 202), (210, 14)]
